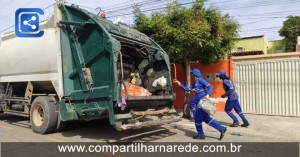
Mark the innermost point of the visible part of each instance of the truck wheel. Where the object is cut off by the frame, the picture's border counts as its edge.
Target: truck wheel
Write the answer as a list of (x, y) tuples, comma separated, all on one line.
[(43, 117), (61, 125)]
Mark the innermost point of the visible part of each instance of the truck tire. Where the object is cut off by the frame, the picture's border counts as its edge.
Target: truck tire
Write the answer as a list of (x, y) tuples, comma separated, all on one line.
[(61, 125), (43, 117)]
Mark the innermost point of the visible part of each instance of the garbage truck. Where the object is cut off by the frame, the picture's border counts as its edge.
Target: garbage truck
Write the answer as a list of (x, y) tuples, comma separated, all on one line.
[(80, 70)]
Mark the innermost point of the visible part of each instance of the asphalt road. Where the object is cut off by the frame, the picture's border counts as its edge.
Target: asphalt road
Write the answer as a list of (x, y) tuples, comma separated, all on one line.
[(262, 128)]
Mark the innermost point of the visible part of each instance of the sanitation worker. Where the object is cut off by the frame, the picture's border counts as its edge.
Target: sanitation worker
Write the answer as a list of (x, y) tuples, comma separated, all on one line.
[(232, 101), (203, 90)]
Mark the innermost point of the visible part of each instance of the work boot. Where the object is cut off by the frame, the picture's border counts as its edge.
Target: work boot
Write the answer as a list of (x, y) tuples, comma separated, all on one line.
[(223, 132), (199, 137), (234, 125), (245, 125)]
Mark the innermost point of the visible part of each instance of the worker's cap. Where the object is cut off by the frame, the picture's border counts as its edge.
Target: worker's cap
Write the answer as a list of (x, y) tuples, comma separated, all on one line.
[(196, 72), (222, 74)]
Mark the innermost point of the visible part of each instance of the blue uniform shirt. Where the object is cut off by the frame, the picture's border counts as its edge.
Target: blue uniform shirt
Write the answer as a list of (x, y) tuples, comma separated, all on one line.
[(200, 86), (230, 90)]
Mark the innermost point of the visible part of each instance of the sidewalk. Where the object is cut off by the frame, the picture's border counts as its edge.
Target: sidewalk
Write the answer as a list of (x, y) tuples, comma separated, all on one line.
[(262, 128)]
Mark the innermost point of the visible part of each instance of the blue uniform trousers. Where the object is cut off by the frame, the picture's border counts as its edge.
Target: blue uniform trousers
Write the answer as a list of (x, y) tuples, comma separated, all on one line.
[(200, 116), (234, 104)]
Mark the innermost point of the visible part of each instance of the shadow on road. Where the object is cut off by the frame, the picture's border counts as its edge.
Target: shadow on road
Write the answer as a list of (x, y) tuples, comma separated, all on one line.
[(99, 130), (224, 123), (16, 120), (102, 131), (190, 132)]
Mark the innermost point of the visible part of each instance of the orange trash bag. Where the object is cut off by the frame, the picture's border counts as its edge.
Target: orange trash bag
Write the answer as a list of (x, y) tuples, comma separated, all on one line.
[(134, 90)]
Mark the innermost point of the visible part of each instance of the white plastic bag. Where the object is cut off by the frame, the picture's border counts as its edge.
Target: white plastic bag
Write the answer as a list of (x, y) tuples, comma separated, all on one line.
[(209, 105), (118, 21), (162, 82)]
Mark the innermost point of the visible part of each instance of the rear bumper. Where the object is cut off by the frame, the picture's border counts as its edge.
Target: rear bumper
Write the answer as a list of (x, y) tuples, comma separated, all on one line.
[(149, 100), (150, 123), (160, 97), (148, 118)]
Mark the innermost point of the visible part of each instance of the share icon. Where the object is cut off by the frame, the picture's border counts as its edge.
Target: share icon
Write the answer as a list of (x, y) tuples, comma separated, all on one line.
[(33, 18)]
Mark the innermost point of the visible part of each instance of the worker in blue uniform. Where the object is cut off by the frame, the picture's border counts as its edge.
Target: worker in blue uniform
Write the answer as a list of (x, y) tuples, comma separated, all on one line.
[(203, 90), (232, 101)]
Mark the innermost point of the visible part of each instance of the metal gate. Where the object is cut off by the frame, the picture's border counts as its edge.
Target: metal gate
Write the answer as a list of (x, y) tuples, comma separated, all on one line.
[(269, 84)]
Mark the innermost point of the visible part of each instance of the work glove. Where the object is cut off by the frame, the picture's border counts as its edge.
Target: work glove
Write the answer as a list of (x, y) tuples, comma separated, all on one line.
[(207, 96)]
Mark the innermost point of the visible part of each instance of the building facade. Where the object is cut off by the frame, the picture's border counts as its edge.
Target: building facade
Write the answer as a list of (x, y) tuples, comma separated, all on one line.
[(254, 43), (276, 46), (258, 45)]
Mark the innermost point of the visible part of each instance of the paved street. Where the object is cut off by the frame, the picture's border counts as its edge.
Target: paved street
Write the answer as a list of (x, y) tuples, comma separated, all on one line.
[(262, 128)]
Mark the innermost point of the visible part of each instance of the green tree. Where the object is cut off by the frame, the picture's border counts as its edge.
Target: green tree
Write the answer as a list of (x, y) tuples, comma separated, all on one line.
[(195, 34), (290, 31)]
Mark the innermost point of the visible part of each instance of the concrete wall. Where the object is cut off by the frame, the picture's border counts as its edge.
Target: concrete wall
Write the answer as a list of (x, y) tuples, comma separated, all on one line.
[(275, 43), (252, 44), (208, 72)]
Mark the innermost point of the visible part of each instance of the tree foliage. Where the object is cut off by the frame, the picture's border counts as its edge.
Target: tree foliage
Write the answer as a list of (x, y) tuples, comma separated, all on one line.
[(196, 33), (290, 31)]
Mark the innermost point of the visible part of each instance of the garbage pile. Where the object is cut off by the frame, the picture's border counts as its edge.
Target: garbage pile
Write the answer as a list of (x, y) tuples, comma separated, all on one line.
[(134, 90)]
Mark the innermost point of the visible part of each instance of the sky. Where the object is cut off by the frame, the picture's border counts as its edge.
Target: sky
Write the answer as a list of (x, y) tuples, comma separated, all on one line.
[(256, 17)]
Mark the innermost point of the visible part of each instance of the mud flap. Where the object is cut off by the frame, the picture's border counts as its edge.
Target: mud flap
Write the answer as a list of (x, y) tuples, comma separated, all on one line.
[(67, 111)]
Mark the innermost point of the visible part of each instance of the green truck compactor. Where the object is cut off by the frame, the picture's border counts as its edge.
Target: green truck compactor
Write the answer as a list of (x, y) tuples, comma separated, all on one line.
[(78, 70)]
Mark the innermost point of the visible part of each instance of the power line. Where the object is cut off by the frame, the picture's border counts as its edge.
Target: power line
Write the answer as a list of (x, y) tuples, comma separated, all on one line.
[(264, 17), (151, 9), (263, 3), (266, 13), (86, 7), (228, 5), (154, 5), (270, 29), (130, 5), (260, 21), (48, 17), (145, 4), (262, 28), (118, 5), (118, 8), (7, 28)]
